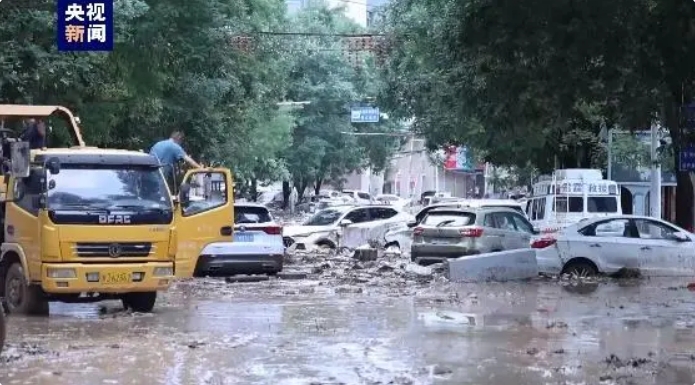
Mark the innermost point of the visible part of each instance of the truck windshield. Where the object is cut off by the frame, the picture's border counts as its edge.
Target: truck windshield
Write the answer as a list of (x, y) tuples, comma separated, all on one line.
[(108, 188)]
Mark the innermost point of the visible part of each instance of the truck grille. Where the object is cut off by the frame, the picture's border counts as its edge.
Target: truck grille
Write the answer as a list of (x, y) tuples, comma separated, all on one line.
[(113, 249)]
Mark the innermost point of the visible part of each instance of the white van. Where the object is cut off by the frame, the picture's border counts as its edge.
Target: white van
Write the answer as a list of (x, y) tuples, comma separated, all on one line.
[(569, 196)]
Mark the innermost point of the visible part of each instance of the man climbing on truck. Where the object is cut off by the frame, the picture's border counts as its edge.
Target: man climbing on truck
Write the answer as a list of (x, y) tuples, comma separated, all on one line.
[(169, 152)]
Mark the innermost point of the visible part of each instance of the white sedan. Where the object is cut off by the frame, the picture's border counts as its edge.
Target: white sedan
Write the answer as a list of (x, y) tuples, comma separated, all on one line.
[(608, 245)]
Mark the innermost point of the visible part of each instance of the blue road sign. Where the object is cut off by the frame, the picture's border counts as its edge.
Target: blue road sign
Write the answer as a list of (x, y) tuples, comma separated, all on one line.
[(364, 115), (84, 25), (687, 158)]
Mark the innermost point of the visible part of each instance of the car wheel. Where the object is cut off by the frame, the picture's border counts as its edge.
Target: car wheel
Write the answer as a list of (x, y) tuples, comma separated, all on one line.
[(393, 248), (325, 246), (580, 270), (139, 302)]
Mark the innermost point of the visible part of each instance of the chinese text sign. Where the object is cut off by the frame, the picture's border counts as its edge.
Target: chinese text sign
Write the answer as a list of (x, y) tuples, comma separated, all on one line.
[(85, 25)]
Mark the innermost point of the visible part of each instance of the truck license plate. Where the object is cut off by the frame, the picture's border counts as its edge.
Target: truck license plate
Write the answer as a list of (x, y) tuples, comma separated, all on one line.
[(115, 278), (243, 237)]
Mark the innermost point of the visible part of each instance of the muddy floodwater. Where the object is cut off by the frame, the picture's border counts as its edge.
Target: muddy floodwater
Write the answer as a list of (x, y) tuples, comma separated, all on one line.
[(316, 332)]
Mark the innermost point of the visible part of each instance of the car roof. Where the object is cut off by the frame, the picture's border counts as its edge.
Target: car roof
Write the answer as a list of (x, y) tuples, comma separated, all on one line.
[(492, 202), (250, 204), (589, 221), (474, 210)]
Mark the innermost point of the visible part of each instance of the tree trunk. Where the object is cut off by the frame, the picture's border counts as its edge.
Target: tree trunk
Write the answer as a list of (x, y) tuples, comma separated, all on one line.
[(317, 186), (285, 194), (254, 190), (301, 187)]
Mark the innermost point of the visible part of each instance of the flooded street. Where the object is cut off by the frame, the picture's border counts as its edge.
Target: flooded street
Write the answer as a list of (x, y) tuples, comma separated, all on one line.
[(319, 331)]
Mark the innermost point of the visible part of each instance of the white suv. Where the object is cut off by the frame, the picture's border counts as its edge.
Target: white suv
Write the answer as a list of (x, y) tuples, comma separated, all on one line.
[(320, 230), (255, 248)]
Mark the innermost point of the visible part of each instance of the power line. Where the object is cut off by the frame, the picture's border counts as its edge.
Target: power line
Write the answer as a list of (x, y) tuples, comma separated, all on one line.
[(314, 34)]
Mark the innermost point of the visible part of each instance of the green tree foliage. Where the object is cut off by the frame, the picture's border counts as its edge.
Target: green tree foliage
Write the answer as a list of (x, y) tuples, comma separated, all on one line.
[(322, 74), (172, 68), (531, 80)]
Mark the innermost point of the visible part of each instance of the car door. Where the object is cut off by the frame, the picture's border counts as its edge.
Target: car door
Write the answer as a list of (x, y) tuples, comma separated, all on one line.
[(203, 215), (525, 230), (661, 253), (508, 233), (609, 244), (492, 234)]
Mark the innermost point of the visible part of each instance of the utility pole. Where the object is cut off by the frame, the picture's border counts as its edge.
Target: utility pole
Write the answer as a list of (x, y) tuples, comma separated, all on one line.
[(655, 179)]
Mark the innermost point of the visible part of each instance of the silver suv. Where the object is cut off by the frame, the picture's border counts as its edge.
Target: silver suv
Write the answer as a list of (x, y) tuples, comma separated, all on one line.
[(451, 233)]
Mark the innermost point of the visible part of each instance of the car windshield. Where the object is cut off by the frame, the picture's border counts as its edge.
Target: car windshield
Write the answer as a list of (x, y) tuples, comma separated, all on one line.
[(324, 218), (109, 188)]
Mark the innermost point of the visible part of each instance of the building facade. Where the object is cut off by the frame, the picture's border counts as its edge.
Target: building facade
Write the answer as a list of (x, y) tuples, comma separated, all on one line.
[(413, 170)]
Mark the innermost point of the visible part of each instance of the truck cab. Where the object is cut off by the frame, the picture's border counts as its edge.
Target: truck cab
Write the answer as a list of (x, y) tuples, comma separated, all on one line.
[(85, 224)]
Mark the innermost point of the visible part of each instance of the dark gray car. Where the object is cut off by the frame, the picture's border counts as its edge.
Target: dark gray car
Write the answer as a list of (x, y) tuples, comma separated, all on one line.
[(451, 233)]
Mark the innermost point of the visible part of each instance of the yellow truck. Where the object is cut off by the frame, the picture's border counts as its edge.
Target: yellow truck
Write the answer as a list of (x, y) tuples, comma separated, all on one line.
[(85, 224)]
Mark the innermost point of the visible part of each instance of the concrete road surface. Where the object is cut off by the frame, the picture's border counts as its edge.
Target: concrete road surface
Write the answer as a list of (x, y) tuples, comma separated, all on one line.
[(325, 330)]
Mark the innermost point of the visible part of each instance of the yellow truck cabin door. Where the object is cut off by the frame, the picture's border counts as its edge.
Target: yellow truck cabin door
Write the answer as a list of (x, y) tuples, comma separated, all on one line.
[(205, 214)]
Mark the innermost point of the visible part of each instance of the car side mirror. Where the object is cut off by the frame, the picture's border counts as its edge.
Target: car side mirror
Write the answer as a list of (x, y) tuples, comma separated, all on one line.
[(680, 237), (536, 230), (345, 223), (411, 224), (184, 193)]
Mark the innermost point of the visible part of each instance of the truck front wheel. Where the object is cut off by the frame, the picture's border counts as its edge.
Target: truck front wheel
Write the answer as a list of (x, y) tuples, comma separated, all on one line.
[(21, 297), (140, 302)]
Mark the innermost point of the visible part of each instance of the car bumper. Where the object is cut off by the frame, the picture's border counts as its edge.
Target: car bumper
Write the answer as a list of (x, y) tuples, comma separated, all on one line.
[(427, 254), (230, 264), (110, 278)]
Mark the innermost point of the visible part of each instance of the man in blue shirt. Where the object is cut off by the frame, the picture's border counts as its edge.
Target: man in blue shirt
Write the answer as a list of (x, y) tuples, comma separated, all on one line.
[(169, 152)]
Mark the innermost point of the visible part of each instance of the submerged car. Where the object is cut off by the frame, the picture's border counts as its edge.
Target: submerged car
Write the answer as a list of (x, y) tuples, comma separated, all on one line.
[(320, 231), (452, 233), (611, 245), (256, 246)]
